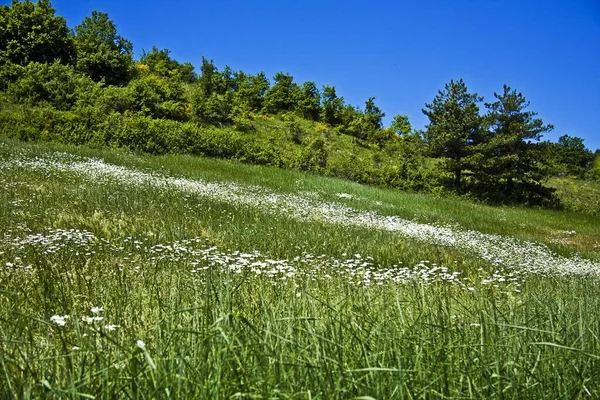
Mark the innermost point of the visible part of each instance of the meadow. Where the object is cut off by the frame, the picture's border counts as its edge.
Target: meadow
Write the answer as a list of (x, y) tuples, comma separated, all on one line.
[(136, 276)]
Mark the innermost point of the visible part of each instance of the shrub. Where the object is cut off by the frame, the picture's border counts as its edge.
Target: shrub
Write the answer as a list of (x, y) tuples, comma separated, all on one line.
[(321, 127), (295, 132), (55, 84), (313, 157)]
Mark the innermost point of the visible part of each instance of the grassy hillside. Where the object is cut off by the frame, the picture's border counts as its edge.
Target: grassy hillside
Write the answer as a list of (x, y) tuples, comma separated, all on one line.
[(577, 194), (175, 276), (286, 141)]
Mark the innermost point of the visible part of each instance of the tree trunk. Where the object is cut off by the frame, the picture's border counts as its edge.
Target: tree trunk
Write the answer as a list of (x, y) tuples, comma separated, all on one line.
[(457, 178)]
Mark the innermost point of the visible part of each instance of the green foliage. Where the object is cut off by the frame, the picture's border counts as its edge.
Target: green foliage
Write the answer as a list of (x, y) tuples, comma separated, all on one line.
[(331, 105), (582, 196), (511, 170), (295, 132), (30, 32), (575, 158), (373, 115), (211, 108), (454, 129), (313, 157), (364, 126), (595, 171), (309, 101), (9, 72), (251, 91), (210, 79), (283, 95), (159, 62), (114, 99), (401, 125), (157, 97), (102, 54), (55, 84)]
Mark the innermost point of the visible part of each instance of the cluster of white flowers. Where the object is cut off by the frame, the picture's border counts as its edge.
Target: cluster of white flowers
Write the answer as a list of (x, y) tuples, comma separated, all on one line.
[(61, 320), (200, 255), (52, 241), (505, 252)]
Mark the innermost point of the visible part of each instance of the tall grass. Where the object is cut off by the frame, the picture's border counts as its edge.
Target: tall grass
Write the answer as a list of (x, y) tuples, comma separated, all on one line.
[(209, 299)]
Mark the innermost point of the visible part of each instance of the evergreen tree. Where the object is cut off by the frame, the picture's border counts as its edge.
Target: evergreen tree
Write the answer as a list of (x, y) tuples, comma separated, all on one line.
[(283, 95), (227, 81), (309, 101), (209, 77), (373, 115), (102, 54), (251, 91), (574, 156), (401, 125), (454, 129), (513, 160), (30, 32), (332, 105)]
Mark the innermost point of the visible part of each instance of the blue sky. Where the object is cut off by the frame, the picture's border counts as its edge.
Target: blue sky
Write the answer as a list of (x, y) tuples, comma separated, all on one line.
[(401, 52)]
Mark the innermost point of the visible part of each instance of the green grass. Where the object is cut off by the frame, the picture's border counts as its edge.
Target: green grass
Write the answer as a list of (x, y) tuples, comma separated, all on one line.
[(212, 332), (578, 195)]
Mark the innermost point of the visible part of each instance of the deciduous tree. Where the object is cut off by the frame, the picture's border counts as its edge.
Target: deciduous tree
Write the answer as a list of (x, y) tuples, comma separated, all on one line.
[(160, 62), (102, 54), (30, 32)]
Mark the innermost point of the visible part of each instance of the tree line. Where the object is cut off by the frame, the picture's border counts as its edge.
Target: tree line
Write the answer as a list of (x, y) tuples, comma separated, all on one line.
[(89, 73)]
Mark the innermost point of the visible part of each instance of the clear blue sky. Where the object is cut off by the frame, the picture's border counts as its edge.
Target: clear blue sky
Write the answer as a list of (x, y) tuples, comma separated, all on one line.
[(401, 52)]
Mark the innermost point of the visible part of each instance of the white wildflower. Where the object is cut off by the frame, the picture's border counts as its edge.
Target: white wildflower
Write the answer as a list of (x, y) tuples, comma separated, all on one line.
[(60, 320), (111, 327), (91, 320)]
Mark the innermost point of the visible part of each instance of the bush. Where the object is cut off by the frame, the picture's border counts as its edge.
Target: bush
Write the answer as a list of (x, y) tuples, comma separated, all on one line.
[(595, 171), (313, 157), (295, 132), (54, 84)]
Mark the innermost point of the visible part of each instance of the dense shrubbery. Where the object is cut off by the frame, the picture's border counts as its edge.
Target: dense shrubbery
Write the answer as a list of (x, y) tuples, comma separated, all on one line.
[(400, 167), (86, 88)]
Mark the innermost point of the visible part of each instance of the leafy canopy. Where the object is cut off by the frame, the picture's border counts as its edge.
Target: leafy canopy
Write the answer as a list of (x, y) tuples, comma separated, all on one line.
[(30, 32), (102, 54)]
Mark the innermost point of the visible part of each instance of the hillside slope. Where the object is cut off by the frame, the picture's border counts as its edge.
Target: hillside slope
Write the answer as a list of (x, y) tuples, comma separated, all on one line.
[(132, 275)]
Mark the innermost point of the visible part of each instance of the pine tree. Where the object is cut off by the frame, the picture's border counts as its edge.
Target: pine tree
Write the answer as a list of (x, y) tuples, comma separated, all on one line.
[(332, 105), (309, 101), (454, 129), (513, 162), (401, 125), (283, 95), (373, 115)]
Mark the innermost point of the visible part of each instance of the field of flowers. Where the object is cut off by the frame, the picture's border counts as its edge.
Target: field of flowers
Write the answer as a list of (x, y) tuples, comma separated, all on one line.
[(139, 277)]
